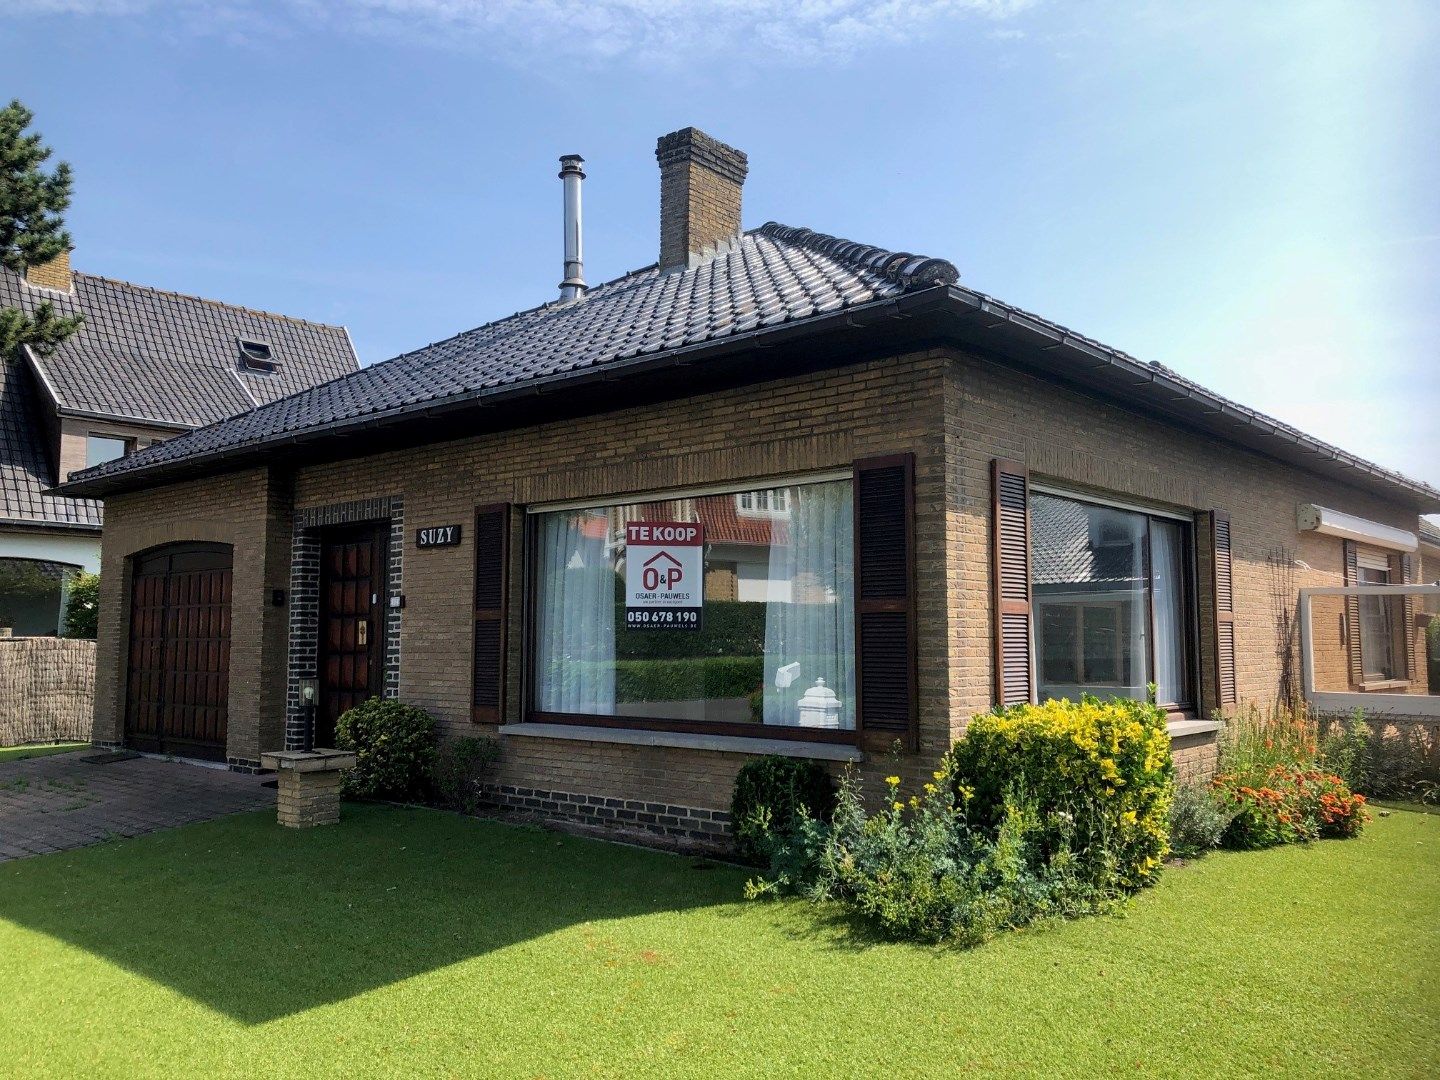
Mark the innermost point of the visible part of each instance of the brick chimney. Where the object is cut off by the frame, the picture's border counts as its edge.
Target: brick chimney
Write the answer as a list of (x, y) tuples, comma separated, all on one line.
[(700, 182), (54, 274)]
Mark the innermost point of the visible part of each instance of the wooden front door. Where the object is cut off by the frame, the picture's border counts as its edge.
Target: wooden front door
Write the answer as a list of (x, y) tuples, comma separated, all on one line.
[(177, 687), (352, 622)]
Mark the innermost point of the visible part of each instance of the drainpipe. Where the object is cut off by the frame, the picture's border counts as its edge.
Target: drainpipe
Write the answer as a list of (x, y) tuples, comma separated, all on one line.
[(571, 174)]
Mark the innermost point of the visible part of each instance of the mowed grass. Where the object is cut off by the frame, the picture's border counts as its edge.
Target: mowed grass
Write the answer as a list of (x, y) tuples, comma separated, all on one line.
[(20, 753), (417, 943)]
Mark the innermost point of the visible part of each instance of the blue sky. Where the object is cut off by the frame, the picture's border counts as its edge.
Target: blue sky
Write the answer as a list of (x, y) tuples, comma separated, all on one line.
[(1249, 193)]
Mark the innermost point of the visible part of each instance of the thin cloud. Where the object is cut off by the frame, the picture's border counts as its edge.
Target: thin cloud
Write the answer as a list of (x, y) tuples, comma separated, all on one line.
[(664, 32)]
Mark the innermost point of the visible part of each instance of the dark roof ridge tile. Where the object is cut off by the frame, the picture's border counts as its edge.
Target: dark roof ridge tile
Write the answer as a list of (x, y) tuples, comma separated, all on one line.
[(907, 270)]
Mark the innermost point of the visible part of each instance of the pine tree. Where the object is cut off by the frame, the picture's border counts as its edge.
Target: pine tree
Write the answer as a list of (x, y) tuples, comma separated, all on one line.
[(32, 228)]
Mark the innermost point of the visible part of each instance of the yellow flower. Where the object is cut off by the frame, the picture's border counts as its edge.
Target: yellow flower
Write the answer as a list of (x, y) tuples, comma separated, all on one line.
[(893, 781), (899, 805), (1128, 817), (938, 774)]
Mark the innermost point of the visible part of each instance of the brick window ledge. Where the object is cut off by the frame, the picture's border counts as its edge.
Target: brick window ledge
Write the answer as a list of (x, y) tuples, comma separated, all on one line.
[(731, 744), (1179, 729)]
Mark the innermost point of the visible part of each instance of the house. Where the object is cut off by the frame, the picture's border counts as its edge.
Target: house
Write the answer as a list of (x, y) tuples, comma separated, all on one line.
[(144, 366), (978, 506)]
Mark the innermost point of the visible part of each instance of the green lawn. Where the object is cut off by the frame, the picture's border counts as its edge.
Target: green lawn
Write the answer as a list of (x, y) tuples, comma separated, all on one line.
[(20, 753), (411, 942)]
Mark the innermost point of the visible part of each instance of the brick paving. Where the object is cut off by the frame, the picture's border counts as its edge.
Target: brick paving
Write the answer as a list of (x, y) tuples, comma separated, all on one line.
[(59, 802)]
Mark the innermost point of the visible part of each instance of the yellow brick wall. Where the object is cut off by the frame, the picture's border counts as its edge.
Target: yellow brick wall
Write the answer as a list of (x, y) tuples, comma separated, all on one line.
[(247, 511), (1071, 439), (954, 412)]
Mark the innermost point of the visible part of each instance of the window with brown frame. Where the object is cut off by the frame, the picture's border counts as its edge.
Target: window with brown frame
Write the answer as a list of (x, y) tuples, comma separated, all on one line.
[(1112, 592), (772, 652)]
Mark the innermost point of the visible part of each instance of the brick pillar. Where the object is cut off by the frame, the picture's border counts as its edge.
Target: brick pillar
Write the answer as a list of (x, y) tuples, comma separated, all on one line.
[(308, 785), (308, 799)]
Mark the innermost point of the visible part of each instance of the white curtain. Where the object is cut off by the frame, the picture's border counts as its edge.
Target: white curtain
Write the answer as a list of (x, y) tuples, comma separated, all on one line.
[(577, 597), (812, 636), (1167, 553)]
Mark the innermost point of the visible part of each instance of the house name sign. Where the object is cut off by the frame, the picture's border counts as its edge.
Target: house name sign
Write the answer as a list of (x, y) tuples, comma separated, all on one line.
[(437, 536)]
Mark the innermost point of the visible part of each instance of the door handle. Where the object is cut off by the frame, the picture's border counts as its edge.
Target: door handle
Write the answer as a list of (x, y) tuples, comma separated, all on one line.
[(362, 631)]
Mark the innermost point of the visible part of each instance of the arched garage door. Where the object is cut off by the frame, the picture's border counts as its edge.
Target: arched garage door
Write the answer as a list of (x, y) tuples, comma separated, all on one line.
[(178, 682)]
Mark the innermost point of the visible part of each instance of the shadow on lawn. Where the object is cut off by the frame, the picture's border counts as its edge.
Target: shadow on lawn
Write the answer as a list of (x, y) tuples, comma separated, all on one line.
[(259, 922)]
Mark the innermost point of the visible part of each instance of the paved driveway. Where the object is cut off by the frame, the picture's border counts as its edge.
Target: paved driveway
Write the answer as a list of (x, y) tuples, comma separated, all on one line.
[(61, 801)]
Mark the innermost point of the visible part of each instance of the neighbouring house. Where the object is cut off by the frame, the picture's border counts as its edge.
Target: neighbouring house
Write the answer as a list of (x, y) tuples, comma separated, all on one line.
[(778, 493), (144, 366)]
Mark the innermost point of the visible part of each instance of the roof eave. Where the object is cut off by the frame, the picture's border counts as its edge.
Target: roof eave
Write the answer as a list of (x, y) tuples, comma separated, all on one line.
[(245, 455), (1004, 330), (1086, 359)]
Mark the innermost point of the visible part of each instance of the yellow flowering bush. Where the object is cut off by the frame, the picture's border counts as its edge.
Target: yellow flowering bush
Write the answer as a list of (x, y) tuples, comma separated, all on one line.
[(1102, 768)]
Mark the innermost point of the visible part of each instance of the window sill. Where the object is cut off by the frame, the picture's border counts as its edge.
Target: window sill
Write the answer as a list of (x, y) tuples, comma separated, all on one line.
[(1179, 729), (731, 744), (1372, 685)]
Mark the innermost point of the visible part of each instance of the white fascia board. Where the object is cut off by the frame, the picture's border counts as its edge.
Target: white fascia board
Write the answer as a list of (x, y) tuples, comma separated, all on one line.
[(1320, 519)]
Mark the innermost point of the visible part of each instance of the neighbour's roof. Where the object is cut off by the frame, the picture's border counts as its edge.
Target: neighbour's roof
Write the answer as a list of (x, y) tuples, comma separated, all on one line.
[(1429, 533), (26, 468), (1064, 553), (766, 282), (142, 355), (145, 354)]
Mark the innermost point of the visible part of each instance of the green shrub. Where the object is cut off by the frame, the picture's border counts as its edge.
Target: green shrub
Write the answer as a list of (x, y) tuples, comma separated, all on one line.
[(459, 769), (670, 680), (1432, 653), (1197, 821), (772, 795), (729, 628), (395, 749), (1102, 767), (1394, 763), (919, 870), (82, 606)]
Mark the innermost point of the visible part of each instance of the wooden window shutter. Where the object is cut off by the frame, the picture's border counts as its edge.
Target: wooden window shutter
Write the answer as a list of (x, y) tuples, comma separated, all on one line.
[(492, 543), (1224, 568), (1403, 571), (1010, 566), (1352, 614), (885, 597)]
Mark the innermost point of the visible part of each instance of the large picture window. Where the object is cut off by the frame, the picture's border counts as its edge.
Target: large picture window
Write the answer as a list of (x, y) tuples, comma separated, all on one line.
[(774, 648), (1112, 594)]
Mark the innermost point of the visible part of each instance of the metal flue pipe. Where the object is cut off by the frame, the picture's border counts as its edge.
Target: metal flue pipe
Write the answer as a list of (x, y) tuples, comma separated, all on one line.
[(570, 175)]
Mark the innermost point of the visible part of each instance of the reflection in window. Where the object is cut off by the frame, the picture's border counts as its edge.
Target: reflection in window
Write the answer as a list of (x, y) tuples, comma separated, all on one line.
[(102, 448), (777, 617), (1110, 590), (33, 593), (1377, 628)]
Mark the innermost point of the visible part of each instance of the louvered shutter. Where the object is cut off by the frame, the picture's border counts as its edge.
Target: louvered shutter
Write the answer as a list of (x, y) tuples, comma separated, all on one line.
[(1352, 615), (885, 596), (492, 534), (1224, 568), (1010, 567), (1406, 576)]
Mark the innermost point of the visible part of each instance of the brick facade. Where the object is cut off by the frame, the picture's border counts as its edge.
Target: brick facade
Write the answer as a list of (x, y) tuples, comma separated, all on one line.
[(954, 412)]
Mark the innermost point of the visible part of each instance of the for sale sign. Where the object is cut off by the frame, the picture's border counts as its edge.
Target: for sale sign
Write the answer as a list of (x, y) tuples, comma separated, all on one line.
[(664, 575)]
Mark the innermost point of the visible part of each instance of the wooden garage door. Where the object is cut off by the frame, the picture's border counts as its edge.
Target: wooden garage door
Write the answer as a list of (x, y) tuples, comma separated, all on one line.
[(178, 684)]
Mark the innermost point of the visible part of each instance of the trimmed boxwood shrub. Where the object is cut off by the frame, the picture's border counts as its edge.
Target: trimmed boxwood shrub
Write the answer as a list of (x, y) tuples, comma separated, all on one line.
[(395, 749), (770, 794), (1100, 768)]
